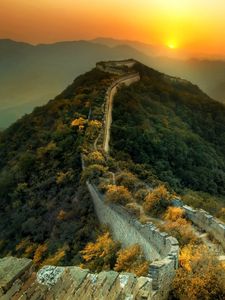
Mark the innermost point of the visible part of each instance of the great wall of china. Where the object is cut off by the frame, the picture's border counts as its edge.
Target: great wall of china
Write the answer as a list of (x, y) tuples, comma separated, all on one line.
[(18, 281)]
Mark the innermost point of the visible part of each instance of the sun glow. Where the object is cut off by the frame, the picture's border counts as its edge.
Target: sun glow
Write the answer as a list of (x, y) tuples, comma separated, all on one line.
[(172, 45)]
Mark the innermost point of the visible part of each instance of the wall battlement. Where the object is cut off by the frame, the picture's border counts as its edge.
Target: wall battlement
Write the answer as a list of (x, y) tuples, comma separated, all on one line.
[(158, 247), (111, 92), (204, 221)]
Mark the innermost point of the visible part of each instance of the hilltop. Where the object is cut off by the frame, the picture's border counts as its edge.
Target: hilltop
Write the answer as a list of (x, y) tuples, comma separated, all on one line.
[(32, 74), (131, 142), (174, 130)]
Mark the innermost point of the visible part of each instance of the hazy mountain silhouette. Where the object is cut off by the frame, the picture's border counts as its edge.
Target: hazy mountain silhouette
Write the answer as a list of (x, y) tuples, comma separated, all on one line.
[(209, 74), (31, 75)]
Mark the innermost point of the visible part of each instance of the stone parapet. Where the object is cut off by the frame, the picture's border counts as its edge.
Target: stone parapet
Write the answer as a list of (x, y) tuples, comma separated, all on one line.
[(157, 246), (204, 221)]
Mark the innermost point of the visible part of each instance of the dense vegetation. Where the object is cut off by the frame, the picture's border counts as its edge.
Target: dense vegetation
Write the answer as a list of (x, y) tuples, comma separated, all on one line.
[(45, 211), (107, 254), (174, 131)]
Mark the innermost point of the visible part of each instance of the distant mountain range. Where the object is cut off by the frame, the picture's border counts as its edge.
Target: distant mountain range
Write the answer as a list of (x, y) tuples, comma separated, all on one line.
[(31, 75)]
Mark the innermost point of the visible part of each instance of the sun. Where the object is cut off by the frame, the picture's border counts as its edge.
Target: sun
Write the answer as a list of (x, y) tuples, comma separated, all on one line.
[(172, 45)]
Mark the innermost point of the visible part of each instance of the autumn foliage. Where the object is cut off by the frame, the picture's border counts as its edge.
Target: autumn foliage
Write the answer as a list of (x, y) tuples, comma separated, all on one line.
[(176, 225), (105, 254), (173, 214), (157, 200), (131, 260), (40, 253), (200, 275), (118, 194), (100, 255)]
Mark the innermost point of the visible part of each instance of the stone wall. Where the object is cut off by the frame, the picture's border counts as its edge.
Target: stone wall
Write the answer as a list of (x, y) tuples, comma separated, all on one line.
[(71, 283), (204, 221), (111, 92), (115, 67), (157, 246)]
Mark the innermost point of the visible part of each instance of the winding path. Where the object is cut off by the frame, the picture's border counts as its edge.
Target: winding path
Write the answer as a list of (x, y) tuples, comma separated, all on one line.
[(111, 92)]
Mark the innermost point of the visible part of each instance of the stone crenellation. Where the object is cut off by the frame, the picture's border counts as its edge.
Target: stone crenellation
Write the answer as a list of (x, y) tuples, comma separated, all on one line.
[(112, 90), (116, 67), (157, 246), (204, 221), (18, 281)]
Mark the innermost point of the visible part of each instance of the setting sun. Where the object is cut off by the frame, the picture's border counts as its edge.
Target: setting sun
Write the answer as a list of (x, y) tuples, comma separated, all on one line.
[(172, 43)]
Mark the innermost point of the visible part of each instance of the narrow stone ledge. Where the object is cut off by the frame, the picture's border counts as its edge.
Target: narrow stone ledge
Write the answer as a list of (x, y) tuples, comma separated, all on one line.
[(12, 268)]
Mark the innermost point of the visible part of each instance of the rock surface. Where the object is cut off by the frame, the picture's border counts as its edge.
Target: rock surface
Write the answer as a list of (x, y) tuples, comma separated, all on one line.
[(18, 281)]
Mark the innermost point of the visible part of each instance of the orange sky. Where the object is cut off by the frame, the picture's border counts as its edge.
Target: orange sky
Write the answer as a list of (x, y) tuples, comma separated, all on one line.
[(192, 25)]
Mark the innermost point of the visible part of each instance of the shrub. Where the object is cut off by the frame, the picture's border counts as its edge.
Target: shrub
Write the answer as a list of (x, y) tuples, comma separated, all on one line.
[(131, 260), (127, 179), (157, 200), (95, 157), (200, 275), (56, 257), (177, 226), (93, 172), (40, 252), (118, 194), (100, 255), (140, 195), (80, 122), (173, 213)]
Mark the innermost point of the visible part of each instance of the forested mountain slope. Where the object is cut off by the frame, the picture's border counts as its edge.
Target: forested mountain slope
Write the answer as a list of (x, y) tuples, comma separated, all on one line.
[(175, 130), (45, 212), (163, 129)]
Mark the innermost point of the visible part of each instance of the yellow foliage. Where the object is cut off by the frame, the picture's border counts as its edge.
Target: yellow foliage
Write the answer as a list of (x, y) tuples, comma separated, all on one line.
[(189, 254), (61, 176), (55, 259), (131, 260), (61, 215), (118, 194), (30, 249), (200, 275), (22, 244), (157, 199), (173, 213), (39, 253), (101, 254), (178, 227), (95, 157), (95, 123), (78, 122)]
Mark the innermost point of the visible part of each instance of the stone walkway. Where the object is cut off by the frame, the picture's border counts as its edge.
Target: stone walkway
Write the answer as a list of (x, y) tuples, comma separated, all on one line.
[(68, 283)]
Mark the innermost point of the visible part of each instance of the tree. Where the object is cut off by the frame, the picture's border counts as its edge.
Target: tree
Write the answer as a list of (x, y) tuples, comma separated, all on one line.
[(157, 200), (127, 179), (100, 255), (118, 194), (173, 213), (40, 252), (200, 275), (177, 226), (93, 173), (95, 157), (131, 260), (80, 122)]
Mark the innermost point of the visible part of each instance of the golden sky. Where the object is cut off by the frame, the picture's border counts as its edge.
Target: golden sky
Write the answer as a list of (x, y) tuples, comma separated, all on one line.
[(192, 25)]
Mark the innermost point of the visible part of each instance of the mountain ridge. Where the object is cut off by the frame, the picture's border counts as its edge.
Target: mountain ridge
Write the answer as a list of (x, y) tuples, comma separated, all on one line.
[(30, 75)]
